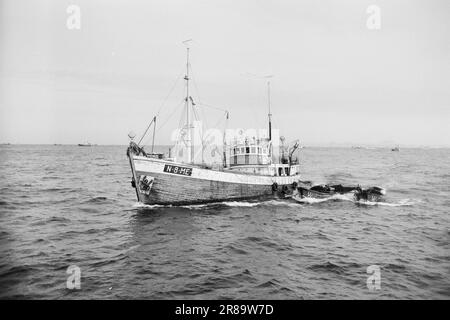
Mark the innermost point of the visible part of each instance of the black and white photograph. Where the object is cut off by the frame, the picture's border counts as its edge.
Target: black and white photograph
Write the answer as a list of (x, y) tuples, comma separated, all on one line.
[(224, 155)]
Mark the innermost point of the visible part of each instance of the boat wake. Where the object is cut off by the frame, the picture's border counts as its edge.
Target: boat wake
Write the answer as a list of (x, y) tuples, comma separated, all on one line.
[(349, 197), (238, 204), (298, 201), (401, 203), (336, 197), (199, 206)]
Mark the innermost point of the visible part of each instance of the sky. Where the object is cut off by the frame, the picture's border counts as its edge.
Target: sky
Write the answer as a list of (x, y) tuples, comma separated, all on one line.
[(335, 80)]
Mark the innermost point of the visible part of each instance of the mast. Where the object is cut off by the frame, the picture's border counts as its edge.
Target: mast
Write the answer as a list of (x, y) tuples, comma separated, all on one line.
[(154, 131), (227, 114), (190, 157), (270, 114)]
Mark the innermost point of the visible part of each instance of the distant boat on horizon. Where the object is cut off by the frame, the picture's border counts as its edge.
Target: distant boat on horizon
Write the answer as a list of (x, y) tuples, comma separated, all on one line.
[(395, 149), (88, 144)]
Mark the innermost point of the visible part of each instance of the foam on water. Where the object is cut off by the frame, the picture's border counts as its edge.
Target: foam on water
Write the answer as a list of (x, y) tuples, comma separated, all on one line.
[(236, 204), (400, 203), (284, 202), (140, 205), (349, 197), (336, 197), (240, 204)]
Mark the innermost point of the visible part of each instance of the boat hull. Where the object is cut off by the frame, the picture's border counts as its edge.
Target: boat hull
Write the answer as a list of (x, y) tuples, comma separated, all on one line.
[(162, 182)]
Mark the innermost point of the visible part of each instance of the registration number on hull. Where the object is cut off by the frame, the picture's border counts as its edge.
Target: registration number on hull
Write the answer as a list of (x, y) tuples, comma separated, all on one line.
[(177, 170)]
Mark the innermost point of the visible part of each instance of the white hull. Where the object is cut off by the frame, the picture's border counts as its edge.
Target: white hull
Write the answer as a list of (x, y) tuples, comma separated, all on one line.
[(185, 184)]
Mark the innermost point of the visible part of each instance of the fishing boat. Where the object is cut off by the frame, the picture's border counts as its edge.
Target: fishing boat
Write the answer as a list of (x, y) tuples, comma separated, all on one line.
[(250, 167), (85, 144), (396, 149)]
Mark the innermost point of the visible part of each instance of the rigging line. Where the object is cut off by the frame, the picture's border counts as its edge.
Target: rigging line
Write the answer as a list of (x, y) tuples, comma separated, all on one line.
[(204, 116), (162, 105), (210, 106), (202, 137), (170, 92), (198, 94), (146, 141), (146, 130), (216, 125), (195, 82), (197, 118), (180, 126), (170, 116), (200, 101), (195, 114), (216, 108)]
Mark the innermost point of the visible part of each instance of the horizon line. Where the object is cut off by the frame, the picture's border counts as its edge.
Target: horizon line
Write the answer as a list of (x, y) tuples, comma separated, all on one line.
[(313, 145)]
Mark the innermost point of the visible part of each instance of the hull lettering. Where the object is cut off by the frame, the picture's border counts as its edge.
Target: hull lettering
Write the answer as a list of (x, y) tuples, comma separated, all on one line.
[(178, 170)]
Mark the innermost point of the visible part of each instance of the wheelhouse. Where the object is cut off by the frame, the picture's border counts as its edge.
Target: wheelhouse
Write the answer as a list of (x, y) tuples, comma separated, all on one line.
[(256, 152), (255, 156)]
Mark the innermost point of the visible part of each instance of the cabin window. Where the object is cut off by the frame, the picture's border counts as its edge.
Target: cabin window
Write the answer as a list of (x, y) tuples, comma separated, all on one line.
[(253, 150), (286, 170), (264, 150), (236, 150), (280, 171), (259, 149), (242, 150), (247, 150)]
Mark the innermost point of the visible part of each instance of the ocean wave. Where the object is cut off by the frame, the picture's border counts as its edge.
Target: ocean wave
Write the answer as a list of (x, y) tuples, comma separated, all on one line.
[(103, 164), (21, 270), (273, 283), (328, 267), (99, 199), (62, 190), (236, 250), (58, 219)]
